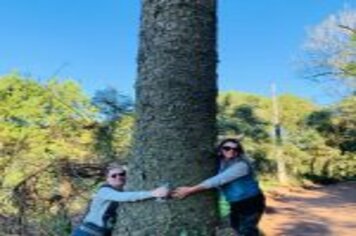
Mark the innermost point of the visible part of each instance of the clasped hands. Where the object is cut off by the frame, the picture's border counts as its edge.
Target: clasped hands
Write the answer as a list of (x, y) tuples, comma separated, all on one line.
[(179, 193)]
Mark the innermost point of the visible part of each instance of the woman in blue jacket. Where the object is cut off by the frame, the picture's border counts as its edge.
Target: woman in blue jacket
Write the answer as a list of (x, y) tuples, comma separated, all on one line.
[(101, 215), (237, 183)]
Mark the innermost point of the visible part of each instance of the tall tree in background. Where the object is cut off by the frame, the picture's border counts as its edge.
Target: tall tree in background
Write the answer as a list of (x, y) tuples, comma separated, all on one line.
[(278, 141), (175, 127), (330, 50)]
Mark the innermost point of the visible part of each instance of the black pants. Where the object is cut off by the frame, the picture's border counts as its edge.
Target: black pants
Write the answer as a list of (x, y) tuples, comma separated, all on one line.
[(89, 229), (246, 214)]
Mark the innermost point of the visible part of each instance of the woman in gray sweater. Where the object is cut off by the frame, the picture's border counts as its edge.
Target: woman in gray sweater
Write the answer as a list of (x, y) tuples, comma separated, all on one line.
[(101, 215)]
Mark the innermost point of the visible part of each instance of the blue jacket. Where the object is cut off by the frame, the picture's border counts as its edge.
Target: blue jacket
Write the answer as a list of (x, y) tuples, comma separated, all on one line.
[(236, 180)]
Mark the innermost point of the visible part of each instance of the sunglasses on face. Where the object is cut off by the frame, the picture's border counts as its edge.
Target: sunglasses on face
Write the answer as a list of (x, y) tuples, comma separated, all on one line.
[(122, 174), (226, 148)]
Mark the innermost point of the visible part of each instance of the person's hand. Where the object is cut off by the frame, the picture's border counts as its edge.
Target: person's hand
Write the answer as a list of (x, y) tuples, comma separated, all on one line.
[(160, 192), (182, 192)]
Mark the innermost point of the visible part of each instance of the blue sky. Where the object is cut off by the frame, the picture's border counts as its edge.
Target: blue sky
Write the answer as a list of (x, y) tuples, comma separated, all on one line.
[(95, 42)]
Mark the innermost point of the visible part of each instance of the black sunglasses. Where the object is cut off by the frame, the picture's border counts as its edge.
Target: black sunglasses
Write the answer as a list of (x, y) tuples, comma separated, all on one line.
[(226, 148), (121, 174)]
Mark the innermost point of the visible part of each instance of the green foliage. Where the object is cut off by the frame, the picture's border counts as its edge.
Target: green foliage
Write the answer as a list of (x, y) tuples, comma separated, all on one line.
[(54, 122), (293, 110), (337, 124), (43, 124), (345, 122), (345, 167), (54, 225), (239, 114), (314, 139), (224, 208), (37, 125)]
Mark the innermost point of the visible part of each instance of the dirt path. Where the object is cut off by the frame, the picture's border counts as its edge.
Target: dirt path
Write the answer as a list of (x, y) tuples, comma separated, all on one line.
[(324, 211)]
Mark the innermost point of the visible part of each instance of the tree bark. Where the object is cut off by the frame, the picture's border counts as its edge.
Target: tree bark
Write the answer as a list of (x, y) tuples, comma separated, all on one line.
[(176, 111)]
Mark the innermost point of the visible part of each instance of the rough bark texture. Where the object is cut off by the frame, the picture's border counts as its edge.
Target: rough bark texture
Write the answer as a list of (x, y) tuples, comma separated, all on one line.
[(175, 131)]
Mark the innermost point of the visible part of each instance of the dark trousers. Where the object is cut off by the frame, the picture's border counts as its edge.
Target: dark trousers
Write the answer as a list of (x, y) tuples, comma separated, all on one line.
[(89, 229), (246, 214)]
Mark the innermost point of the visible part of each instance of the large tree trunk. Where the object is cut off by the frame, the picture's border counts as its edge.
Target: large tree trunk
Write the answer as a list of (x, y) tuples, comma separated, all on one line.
[(176, 109)]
